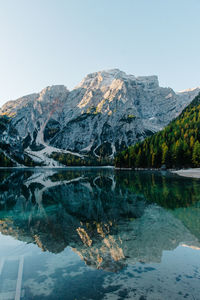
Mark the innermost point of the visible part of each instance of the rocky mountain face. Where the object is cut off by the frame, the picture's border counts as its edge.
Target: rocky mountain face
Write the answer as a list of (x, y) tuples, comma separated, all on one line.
[(10, 144), (107, 111)]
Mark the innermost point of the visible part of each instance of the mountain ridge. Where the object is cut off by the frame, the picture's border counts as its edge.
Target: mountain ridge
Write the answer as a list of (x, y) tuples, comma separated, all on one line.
[(107, 111)]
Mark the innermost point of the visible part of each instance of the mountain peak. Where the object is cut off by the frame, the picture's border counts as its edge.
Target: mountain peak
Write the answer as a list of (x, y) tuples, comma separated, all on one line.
[(52, 92), (189, 90), (105, 78), (100, 78)]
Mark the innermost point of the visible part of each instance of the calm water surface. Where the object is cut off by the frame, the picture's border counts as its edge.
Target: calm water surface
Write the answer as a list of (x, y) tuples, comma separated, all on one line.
[(98, 234)]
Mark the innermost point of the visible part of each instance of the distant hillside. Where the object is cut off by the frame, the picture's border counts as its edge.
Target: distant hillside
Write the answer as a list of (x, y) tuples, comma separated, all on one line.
[(177, 145)]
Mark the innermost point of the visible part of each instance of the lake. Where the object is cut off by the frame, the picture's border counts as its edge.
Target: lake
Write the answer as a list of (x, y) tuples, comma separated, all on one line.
[(98, 233)]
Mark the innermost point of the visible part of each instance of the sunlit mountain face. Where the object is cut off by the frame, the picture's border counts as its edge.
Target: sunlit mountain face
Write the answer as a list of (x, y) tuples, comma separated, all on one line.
[(108, 111), (79, 228)]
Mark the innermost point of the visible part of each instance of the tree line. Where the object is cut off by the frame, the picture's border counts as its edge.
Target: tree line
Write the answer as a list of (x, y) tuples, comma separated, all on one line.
[(68, 159), (177, 145)]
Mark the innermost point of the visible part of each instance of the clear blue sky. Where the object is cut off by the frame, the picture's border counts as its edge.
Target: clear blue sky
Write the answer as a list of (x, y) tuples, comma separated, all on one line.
[(45, 42)]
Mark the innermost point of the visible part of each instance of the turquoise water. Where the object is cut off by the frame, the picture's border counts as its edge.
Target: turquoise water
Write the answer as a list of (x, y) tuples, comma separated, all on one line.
[(98, 234)]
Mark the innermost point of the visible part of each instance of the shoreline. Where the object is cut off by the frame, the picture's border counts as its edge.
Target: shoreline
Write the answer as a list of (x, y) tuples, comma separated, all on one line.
[(56, 167), (190, 173)]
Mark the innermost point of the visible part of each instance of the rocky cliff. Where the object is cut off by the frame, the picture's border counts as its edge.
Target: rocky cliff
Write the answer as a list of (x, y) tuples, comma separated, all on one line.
[(107, 111)]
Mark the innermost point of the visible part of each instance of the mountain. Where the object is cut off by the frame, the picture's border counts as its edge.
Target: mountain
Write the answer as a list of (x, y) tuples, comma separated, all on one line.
[(177, 145), (107, 111)]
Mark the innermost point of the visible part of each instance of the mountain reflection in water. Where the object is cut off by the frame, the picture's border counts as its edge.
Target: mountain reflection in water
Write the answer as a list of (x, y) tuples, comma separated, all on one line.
[(111, 219), (108, 218)]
